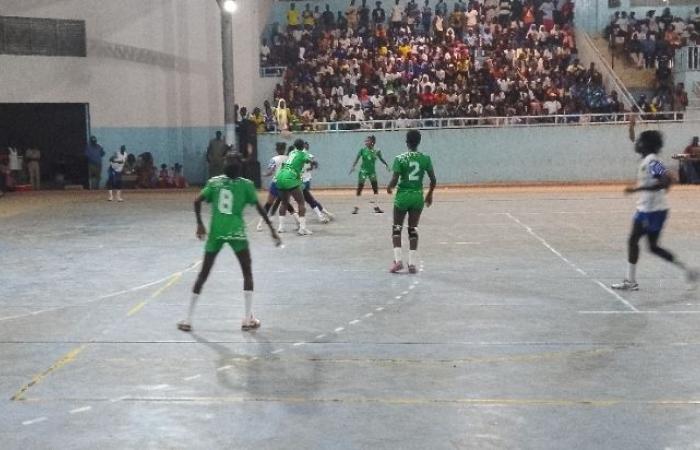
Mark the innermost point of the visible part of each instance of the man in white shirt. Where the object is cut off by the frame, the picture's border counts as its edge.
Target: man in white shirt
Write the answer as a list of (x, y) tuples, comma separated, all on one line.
[(653, 182), (116, 166)]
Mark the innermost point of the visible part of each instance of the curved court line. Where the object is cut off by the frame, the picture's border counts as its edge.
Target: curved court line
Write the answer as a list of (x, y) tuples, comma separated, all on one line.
[(189, 268)]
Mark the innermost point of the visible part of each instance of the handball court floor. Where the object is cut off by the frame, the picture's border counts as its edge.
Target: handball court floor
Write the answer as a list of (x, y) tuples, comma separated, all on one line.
[(508, 337)]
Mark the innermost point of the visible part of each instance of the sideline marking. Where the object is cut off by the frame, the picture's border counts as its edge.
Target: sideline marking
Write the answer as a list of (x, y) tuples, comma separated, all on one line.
[(353, 322), (339, 329), (173, 279), (193, 377), (689, 312), (33, 421), (67, 358), (222, 368), (569, 263), (79, 410)]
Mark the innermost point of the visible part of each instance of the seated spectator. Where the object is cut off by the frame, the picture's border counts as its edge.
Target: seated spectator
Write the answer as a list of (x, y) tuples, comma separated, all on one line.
[(689, 171)]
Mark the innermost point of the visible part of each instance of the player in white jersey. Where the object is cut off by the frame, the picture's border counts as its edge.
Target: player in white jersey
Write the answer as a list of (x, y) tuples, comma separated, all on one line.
[(273, 199), (324, 216), (653, 180), (116, 167)]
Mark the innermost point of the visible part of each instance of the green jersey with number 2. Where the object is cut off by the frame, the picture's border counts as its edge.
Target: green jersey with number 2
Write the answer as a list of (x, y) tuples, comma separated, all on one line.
[(411, 167), (228, 198)]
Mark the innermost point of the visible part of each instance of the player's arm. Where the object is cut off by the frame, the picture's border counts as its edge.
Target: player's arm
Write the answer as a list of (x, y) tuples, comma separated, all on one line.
[(352, 169), (379, 155), (201, 230), (433, 183), (266, 218), (663, 181), (392, 184)]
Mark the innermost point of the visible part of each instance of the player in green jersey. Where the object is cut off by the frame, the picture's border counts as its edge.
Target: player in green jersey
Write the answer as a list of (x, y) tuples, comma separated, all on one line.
[(289, 185), (228, 194), (409, 169), (369, 156)]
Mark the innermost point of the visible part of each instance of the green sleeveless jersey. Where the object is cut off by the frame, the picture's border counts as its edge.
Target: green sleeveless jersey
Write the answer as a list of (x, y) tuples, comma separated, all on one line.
[(369, 159), (228, 198), (411, 167)]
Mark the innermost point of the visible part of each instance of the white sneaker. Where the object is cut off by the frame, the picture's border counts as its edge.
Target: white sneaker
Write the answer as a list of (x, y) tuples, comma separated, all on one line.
[(626, 285), (251, 323), (110, 199), (328, 214), (304, 232), (119, 199), (259, 227), (323, 218)]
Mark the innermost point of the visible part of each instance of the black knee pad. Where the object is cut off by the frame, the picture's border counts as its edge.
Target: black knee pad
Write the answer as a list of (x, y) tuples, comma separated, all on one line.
[(412, 233), (396, 230)]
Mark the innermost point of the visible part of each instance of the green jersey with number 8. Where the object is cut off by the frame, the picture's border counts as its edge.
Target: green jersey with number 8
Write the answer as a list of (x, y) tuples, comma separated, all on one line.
[(228, 198), (411, 167)]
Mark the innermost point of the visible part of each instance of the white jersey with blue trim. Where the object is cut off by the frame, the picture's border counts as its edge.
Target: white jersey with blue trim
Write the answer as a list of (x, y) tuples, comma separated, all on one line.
[(117, 161), (306, 171), (650, 169), (276, 164)]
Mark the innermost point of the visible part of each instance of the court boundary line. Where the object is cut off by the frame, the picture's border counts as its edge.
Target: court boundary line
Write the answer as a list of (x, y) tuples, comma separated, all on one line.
[(582, 272)]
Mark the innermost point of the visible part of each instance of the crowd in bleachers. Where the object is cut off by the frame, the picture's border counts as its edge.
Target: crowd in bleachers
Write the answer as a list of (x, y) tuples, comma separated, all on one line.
[(490, 58), (650, 42)]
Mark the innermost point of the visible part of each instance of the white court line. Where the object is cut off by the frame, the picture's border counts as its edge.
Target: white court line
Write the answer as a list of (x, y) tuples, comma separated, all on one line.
[(353, 322), (103, 297), (222, 368), (79, 410), (381, 308), (369, 314), (398, 297), (159, 387), (320, 336), (297, 344), (279, 350), (193, 377), (118, 399), (33, 421), (650, 312), (572, 265), (404, 293), (339, 329)]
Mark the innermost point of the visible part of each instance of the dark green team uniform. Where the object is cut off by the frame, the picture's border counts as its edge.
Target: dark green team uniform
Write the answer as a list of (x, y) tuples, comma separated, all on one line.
[(367, 168), (289, 176), (411, 167), (228, 198)]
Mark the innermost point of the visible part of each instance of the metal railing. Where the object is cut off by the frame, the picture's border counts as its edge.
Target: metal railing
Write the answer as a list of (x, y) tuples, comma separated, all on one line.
[(272, 71), (490, 122), (687, 59)]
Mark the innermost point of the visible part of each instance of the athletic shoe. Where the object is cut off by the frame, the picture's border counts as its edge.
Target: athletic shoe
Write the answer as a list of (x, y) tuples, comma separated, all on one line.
[(259, 226), (378, 210), (398, 265), (328, 214), (355, 210), (184, 325), (323, 219), (110, 199), (250, 323), (626, 285), (412, 268), (120, 199), (280, 230), (304, 232)]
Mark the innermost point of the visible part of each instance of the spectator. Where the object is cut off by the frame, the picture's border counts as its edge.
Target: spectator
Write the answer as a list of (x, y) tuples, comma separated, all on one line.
[(15, 166), (116, 167), (264, 53), (32, 158), (215, 155), (679, 99), (282, 115), (352, 16), (258, 120), (94, 153), (396, 17), (378, 14), (327, 18), (689, 171), (292, 17)]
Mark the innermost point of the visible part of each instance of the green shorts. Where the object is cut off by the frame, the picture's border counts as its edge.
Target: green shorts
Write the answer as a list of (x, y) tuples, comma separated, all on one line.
[(214, 245), (408, 200), (364, 175), (287, 181)]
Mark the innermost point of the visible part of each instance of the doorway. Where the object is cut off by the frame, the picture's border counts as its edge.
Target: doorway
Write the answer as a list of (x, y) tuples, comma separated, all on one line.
[(58, 130)]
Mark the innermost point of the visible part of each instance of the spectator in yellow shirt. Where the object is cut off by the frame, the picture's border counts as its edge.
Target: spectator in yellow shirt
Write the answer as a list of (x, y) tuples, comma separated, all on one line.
[(292, 17)]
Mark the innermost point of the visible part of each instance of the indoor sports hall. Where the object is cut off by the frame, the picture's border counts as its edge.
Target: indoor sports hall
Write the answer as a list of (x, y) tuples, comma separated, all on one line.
[(494, 239)]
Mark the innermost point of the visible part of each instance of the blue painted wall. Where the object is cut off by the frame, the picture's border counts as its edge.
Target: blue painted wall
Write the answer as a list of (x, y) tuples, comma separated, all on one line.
[(186, 146), (598, 153)]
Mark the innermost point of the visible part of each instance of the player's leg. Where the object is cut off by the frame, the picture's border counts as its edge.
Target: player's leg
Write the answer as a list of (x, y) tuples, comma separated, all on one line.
[(358, 193), (313, 203), (110, 184), (299, 198), (375, 198), (118, 185), (653, 237), (284, 204), (638, 231), (399, 217), (243, 254), (207, 264), (413, 219)]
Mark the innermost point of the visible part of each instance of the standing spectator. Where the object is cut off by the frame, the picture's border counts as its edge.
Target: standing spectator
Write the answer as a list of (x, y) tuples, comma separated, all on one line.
[(378, 14), (680, 99), (396, 17), (215, 155), (15, 165), (351, 15), (690, 170), (441, 8), (94, 153), (308, 18), (364, 16), (116, 167), (426, 18), (32, 158), (327, 18), (292, 17)]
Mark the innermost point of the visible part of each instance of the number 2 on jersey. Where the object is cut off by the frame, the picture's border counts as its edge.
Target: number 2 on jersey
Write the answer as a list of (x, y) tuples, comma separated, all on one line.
[(415, 169), (225, 202)]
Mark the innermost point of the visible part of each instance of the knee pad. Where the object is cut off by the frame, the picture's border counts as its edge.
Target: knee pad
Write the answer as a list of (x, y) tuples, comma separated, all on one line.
[(396, 230), (412, 233)]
